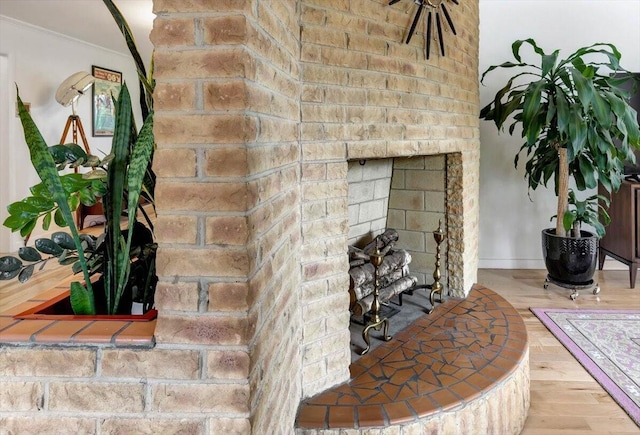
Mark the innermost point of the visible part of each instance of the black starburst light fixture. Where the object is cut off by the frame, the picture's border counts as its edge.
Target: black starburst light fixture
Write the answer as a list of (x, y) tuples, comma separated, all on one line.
[(437, 8)]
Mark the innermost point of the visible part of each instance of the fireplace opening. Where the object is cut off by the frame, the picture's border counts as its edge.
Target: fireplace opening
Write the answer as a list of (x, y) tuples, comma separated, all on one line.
[(394, 205), (405, 194)]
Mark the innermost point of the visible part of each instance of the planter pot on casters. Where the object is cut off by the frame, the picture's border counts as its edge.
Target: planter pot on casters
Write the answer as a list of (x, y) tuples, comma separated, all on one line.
[(570, 261)]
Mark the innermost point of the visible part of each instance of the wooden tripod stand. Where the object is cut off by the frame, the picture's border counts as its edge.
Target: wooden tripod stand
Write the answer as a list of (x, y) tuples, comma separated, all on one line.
[(75, 124)]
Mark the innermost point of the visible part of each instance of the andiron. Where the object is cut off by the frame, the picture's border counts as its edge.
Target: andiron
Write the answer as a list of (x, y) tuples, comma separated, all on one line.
[(377, 322)]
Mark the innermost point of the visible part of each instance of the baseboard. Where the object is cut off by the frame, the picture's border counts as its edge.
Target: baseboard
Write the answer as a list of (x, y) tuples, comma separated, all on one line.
[(512, 263)]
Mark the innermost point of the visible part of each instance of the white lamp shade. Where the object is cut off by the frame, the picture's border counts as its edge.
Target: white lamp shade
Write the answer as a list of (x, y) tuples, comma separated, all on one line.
[(73, 87)]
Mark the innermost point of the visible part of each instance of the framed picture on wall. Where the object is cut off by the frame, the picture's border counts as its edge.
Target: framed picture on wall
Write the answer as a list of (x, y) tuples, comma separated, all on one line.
[(105, 89)]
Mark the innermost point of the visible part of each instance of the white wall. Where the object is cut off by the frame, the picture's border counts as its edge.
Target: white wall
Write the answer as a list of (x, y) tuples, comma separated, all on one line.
[(37, 61), (510, 224)]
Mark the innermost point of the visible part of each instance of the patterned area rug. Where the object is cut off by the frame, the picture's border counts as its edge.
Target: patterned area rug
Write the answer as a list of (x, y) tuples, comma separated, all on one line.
[(607, 344)]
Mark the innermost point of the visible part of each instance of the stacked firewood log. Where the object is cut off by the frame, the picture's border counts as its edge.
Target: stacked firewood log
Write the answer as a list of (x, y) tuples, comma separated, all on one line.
[(393, 272)]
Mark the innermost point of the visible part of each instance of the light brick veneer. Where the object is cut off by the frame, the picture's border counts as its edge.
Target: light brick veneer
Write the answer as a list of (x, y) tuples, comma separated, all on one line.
[(259, 105)]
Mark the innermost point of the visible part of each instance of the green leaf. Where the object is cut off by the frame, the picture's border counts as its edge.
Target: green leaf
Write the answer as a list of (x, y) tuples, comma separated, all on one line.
[(14, 223), (530, 110), (26, 273), (58, 218), (46, 221), (40, 203), (97, 174), (548, 62), (82, 300), (44, 165), (23, 210), (28, 227), (64, 240), (583, 88), (48, 246), (27, 253), (69, 260), (67, 153), (5, 276), (9, 263), (87, 197), (146, 84)]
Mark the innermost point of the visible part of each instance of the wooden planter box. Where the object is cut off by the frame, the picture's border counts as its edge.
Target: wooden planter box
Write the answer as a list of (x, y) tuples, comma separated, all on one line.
[(59, 308)]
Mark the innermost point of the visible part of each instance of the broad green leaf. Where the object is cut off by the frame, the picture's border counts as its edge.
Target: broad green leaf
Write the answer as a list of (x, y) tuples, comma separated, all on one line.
[(64, 240), (549, 61), (97, 174), (5, 276), (46, 221), (26, 273), (67, 153), (9, 263), (583, 88), (68, 260), (58, 218), (14, 223), (28, 227), (40, 203), (48, 246), (27, 253), (23, 210)]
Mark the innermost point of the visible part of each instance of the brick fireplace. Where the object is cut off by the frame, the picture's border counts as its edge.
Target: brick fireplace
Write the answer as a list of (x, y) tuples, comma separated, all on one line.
[(260, 107)]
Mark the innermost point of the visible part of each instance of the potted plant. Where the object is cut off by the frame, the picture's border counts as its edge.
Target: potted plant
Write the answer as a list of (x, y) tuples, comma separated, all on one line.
[(123, 257), (578, 130)]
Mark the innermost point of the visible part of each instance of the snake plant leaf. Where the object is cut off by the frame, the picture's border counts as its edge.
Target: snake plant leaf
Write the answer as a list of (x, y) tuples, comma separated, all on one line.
[(48, 246), (146, 84), (9, 263), (27, 253), (63, 239), (26, 273), (82, 300)]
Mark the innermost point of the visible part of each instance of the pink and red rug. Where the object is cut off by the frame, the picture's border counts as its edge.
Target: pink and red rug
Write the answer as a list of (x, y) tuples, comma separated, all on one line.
[(607, 344)]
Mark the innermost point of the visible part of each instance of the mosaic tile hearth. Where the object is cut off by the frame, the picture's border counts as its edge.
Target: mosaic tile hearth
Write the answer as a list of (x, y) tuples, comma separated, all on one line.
[(441, 362)]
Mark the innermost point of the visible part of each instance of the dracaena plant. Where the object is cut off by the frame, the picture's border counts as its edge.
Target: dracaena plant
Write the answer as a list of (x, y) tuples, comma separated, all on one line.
[(119, 181), (576, 123)]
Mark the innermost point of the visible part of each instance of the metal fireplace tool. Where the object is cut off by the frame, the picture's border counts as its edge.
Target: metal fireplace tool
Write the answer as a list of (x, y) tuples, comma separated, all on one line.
[(374, 318)]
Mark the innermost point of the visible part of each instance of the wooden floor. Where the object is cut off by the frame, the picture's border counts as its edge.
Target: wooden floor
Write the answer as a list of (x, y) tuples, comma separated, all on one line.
[(564, 397), (565, 400)]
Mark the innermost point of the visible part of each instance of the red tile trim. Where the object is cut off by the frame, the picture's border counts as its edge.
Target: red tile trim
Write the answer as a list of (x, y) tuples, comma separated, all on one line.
[(46, 330), (443, 361)]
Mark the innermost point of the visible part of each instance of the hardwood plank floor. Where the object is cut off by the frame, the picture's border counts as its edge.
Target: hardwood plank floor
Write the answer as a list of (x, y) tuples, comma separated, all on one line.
[(565, 399)]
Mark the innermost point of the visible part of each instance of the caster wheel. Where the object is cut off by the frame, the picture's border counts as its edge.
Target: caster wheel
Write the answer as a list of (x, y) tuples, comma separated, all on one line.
[(573, 296), (545, 285), (596, 290)]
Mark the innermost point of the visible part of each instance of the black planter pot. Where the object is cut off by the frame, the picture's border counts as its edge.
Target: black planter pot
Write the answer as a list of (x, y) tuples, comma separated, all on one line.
[(570, 260)]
